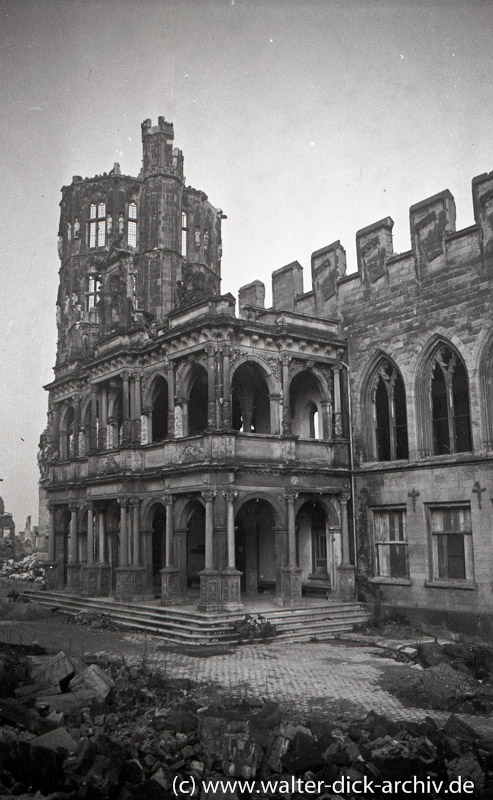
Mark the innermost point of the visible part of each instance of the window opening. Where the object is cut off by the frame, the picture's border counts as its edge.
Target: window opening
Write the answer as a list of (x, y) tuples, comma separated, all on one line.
[(450, 405), (132, 224), (391, 543), (390, 415), (451, 535), (184, 233), (97, 225)]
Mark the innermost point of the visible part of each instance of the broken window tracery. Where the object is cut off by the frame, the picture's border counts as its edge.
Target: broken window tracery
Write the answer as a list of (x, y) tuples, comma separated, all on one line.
[(449, 404), (391, 442)]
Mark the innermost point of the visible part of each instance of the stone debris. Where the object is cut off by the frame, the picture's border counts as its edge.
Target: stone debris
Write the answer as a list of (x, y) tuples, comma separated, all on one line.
[(25, 569), (129, 732)]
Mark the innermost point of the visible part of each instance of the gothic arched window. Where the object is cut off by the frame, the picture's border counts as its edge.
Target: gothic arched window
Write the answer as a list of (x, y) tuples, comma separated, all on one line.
[(449, 396), (97, 224), (132, 224), (390, 419)]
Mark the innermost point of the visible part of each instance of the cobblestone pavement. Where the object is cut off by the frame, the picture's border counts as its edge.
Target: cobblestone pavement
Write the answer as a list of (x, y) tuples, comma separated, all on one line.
[(306, 677)]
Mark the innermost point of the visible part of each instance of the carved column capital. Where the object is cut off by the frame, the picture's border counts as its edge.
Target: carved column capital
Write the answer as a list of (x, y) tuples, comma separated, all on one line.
[(168, 499), (123, 500), (73, 507), (208, 497), (135, 501), (230, 495), (291, 497), (344, 497)]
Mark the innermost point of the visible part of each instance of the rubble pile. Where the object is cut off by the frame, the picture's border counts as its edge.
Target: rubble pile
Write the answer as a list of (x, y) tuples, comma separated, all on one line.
[(455, 677), (26, 569), (95, 619), (97, 729)]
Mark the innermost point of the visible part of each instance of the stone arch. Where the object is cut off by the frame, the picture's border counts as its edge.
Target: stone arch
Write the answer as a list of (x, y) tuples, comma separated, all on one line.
[(150, 380), (271, 380), (442, 399), (277, 503), (318, 541), (307, 388), (67, 431), (485, 373), (251, 389), (383, 410)]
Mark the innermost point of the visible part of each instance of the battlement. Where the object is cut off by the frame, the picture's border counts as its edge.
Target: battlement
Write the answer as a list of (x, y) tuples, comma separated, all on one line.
[(435, 245), (162, 127)]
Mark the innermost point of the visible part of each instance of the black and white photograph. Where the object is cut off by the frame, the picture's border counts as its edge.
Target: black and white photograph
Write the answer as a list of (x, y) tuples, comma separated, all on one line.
[(246, 433)]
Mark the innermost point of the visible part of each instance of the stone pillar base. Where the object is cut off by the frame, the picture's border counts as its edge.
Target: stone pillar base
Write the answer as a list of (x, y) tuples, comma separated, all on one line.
[(129, 582), (230, 589), (291, 586), (51, 573), (210, 590), (170, 587), (345, 582), (73, 577), (95, 580)]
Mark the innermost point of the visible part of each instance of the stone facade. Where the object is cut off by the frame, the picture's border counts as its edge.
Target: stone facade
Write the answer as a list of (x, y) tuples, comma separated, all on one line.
[(190, 454), (193, 452)]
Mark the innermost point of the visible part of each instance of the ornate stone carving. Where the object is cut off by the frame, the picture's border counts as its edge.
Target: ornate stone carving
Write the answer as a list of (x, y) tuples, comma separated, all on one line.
[(208, 496)]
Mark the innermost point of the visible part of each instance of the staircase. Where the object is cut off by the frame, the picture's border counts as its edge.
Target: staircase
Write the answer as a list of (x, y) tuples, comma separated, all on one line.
[(191, 627)]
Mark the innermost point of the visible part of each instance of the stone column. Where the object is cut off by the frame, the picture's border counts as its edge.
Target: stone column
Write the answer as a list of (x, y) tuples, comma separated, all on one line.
[(291, 588), (346, 585), (52, 572), (171, 399), (103, 426), (73, 566), (146, 425), (336, 370), (226, 405), (123, 554), (230, 577), (170, 579), (93, 426), (146, 559), (90, 533), (76, 425), (325, 422), (129, 575), (286, 409), (56, 430), (211, 387), (126, 409), (210, 581)]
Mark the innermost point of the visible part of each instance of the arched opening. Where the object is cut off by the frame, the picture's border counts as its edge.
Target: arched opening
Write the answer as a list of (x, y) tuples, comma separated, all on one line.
[(67, 434), (160, 410), (390, 414), (450, 414), (115, 421), (305, 406), (255, 543), (112, 529), (197, 402), (158, 547), (62, 531), (318, 547), (195, 543), (250, 400)]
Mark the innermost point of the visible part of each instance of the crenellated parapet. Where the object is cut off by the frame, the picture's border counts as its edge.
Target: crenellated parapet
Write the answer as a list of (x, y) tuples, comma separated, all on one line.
[(436, 246)]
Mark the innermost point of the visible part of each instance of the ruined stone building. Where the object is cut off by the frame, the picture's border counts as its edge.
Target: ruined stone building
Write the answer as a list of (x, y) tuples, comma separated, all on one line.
[(340, 440)]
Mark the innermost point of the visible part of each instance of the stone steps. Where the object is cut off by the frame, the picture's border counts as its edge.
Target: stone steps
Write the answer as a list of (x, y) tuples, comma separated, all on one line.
[(188, 626)]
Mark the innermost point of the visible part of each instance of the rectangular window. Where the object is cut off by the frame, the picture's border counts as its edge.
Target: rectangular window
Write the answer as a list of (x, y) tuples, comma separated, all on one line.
[(184, 233), (97, 225), (451, 543), (389, 526), (94, 286), (132, 225)]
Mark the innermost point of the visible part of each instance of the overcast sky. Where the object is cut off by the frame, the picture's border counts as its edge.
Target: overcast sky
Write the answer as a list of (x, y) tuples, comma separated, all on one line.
[(304, 121)]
